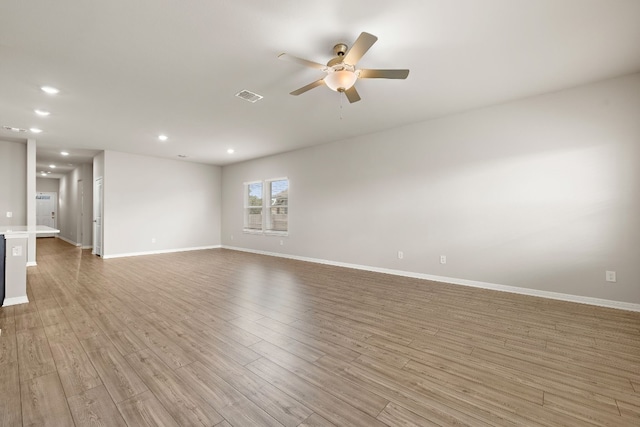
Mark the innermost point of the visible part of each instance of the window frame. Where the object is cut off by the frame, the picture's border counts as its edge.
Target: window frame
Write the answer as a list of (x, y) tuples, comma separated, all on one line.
[(246, 208)]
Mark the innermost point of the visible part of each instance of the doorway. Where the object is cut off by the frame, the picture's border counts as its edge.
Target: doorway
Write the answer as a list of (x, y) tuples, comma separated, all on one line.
[(47, 210)]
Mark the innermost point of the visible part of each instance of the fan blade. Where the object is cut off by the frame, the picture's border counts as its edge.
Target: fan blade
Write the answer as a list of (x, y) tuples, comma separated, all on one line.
[(352, 94), (310, 86), (383, 74), (359, 48), (301, 61)]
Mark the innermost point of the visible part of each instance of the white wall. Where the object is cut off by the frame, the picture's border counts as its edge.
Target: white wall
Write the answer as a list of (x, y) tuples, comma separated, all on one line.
[(13, 183), (543, 193), (87, 209), (65, 201), (70, 220), (176, 203), (47, 185), (31, 200), (98, 166)]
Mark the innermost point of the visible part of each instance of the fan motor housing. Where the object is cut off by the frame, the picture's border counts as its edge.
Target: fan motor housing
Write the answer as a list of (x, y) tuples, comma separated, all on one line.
[(340, 49)]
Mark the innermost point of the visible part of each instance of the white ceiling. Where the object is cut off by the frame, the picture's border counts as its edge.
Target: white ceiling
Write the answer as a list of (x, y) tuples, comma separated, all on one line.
[(130, 70)]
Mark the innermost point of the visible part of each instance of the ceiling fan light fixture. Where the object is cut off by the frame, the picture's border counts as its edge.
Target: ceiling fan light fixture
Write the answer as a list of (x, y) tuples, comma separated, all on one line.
[(341, 69), (340, 80)]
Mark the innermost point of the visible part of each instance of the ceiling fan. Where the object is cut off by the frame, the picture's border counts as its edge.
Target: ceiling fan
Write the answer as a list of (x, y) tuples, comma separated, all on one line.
[(341, 70)]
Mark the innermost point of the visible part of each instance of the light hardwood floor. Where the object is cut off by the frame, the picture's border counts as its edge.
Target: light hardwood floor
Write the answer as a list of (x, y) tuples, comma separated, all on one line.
[(223, 338)]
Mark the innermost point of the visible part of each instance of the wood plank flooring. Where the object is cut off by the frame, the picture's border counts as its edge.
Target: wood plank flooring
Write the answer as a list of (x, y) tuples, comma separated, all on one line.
[(224, 338)]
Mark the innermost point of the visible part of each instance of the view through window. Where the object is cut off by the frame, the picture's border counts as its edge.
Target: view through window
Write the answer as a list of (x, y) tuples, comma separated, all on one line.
[(266, 206)]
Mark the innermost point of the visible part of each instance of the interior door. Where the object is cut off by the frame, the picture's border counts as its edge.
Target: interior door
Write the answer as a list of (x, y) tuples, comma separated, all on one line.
[(46, 211), (97, 218)]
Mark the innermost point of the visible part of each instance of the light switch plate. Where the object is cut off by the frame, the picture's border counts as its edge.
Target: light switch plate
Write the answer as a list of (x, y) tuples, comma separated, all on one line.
[(16, 250)]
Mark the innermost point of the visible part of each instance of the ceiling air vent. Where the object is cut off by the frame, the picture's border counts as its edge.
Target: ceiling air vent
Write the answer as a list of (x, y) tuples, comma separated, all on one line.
[(249, 96), (12, 129)]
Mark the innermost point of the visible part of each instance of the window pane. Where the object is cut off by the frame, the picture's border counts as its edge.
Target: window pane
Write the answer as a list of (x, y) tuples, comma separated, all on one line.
[(254, 219), (255, 194), (279, 219), (279, 193)]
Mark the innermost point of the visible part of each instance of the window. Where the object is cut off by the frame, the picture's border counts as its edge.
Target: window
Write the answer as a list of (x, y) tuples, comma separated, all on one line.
[(278, 212), (266, 206), (253, 206)]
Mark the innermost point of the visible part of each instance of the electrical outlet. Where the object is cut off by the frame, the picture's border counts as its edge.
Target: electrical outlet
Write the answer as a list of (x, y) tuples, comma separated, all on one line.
[(16, 250), (281, 242), (443, 259), (232, 237), (610, 276), (153, 240), (400, 255), (9, 214)]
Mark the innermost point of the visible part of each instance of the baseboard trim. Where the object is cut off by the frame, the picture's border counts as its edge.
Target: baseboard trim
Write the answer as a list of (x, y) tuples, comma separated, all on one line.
[(15, 301), (455, 281), (32, 264), (162, 251), (71, 242)]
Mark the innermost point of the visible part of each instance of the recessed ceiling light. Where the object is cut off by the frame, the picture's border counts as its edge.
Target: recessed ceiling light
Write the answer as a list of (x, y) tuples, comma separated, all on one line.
[(231, 151), (163, 137), (43, 173), (35, 130), (52, 166), (64, 153), (42, 112), (50, 90)]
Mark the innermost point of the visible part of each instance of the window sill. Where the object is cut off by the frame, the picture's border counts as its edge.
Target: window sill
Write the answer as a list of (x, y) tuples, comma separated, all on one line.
[(252, 231), (267, 233), (276, 233)]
